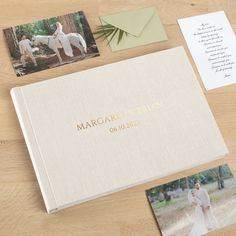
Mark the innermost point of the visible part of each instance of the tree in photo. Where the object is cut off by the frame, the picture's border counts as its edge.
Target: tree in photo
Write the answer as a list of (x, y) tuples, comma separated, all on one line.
[(12, 41), (68, 23)]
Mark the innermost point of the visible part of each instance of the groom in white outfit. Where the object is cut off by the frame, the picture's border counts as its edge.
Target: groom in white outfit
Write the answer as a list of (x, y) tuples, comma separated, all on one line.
[(26, 50), (202, 194)]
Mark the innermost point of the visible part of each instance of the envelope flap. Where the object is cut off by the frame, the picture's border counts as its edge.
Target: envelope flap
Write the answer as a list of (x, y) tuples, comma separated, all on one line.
[(132, 22)]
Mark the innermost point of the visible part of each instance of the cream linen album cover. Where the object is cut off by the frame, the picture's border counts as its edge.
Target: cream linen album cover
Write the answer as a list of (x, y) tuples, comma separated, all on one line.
[(112, 127)]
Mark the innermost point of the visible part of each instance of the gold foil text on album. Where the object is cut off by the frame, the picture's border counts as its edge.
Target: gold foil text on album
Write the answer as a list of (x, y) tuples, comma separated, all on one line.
[(102, 120)]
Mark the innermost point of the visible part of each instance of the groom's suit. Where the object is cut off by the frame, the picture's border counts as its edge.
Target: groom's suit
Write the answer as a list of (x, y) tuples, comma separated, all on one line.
[(210, 219), (26, 50)]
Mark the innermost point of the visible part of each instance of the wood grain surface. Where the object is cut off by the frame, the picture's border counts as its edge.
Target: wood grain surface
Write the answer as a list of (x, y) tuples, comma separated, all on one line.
[(22, 211)]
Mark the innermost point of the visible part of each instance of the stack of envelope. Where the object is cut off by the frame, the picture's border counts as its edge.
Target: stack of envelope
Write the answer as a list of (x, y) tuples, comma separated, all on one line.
[(143, 26)]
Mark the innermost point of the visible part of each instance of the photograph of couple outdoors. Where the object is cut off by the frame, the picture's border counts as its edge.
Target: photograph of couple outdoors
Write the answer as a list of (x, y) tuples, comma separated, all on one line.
[(50, 43), (195, 205), (204, 217)]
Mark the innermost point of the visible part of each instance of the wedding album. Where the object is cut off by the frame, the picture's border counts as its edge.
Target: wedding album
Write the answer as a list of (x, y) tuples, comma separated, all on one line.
[(196, 204), (105, 129)]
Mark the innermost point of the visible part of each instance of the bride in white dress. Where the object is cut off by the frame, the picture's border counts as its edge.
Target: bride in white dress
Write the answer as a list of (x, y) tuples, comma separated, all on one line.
[(199, 227), (63, 40)]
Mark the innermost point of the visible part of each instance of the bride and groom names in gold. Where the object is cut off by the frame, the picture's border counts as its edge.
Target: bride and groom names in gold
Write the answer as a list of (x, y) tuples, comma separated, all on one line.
[(102, 120)]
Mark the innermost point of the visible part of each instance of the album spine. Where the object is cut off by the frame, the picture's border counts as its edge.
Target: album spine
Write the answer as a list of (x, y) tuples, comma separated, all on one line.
[(23, 115)]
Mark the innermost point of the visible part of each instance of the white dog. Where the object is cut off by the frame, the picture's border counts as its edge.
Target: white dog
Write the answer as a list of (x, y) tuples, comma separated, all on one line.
[(75, 39)]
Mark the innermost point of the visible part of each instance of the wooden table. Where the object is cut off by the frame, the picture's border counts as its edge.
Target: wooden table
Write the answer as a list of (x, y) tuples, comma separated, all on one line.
[(22, 210)]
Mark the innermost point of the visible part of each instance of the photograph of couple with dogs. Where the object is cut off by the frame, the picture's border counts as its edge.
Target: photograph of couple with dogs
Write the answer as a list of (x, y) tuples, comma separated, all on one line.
[(50, 43), (195, 205)]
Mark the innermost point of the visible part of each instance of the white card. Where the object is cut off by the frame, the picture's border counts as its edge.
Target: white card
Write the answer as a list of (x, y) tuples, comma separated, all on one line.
[(212, 44)]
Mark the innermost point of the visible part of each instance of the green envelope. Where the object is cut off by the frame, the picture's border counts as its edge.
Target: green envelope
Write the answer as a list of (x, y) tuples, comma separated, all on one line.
[(143, 26)]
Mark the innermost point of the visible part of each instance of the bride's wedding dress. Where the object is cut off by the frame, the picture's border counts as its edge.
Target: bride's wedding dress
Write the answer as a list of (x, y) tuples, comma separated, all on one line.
[(199, 227), (61, 37)]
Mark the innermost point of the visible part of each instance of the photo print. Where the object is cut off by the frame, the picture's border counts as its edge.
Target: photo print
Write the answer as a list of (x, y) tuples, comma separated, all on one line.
[(196, 204), (50, 43)]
